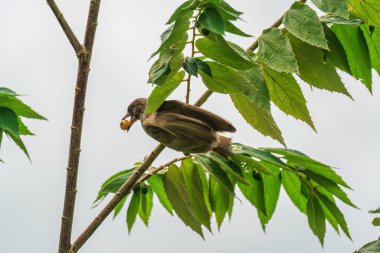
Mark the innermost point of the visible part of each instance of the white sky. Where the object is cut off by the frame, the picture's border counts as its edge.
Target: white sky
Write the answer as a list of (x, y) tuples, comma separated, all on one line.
[(38, 61)]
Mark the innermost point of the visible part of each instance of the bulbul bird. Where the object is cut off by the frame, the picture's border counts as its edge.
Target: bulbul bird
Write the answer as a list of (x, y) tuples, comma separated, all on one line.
[(182, 127)]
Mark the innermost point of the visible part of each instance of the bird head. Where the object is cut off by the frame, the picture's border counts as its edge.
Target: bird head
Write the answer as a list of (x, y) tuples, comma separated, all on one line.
[(135, 111)]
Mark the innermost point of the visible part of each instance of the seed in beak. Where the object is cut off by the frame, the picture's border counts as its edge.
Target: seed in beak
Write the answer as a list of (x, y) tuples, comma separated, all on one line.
[(124, 124)]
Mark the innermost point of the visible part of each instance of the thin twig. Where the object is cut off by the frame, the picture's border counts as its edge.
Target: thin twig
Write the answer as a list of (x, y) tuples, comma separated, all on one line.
[(79, 49), (76, 128)]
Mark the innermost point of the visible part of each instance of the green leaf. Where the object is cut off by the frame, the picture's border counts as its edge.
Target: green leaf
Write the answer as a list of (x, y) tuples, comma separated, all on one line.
[(372, 247), (292, 185), (336, 55), (263, 155), (287, 95), (212, 20), (219, 199), (373, 42), (174, 65), (173, 36), (276, 52), (259, 118), (272, 186), (23, 129), (195, 189), (184, 9), (223, 53), (155, 182), (306, 163), (225, 80), (332, 19), (316, 218), (214, 169), (175, 188), (160, 93), (260, 95), (114, 185), (331, 187), (231, 28), (19, 107), (334, 210), (4, 91), (376, 222), (254, 193), (146, 205), (303, 22), (190, 66), (204, 67), (337, 7), (16, 139), (358, 56), (9, 121), (375, 211), (119, 206), (314, 69), (246, 162), (228, 166), (133, 209), (368, 10)]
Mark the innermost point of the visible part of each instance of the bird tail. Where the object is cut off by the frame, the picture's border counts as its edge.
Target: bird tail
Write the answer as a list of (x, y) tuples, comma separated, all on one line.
[(223, 147)]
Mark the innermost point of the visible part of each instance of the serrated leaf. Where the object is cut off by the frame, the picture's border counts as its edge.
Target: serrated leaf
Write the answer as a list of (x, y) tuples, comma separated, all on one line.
[(372, 247), (119, 206), (376, 222), (333, 19), (214, 169), (338, 7), (368, 10), (338, 215), (314, 70), (160, 93), (16, 139), (229, 167), (114, 185), (223, 53), (372, 36), (272, 186), (133, 209), (303, 22), (287, 95), (231, 28), (357, 52), (292, 185), (259, 118), (155, 182), (146, 205), (307, 163), (246, 162), (23, 129), (19, 108), (212, 20), (184, 9), (9, 121), (219, 199), (225, 80), (190, 66), (276, 52), (336, 55), (259, 96), (195, 189), (254, 193), (316, 218), (331, 187), (263, 155), (175, 188)]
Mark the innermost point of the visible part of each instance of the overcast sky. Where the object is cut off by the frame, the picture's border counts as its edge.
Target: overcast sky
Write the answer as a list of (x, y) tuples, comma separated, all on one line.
[(37, 60)]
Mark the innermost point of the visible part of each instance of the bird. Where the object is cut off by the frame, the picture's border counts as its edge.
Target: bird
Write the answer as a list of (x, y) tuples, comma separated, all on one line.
[(182, 127)]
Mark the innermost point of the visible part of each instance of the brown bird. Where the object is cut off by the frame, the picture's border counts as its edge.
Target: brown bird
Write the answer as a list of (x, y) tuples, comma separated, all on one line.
[(181, 126)]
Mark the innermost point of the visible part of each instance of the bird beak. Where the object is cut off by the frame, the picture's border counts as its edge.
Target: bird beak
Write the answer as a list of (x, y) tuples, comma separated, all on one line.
[(129, 121)]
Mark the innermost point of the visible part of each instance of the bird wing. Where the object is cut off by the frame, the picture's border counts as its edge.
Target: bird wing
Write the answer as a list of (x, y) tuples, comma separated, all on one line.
[(213, 120)]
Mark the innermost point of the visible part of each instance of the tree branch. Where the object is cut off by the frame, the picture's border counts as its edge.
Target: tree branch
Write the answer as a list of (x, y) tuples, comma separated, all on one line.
[(79, 49), (77, 123)]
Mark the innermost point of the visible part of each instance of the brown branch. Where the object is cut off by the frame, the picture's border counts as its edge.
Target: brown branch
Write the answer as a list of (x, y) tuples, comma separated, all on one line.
[(76, 127), (79, 49), (278, 22)]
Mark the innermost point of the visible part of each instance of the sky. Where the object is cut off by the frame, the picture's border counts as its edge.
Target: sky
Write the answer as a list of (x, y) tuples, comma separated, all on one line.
[(36, 60)]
